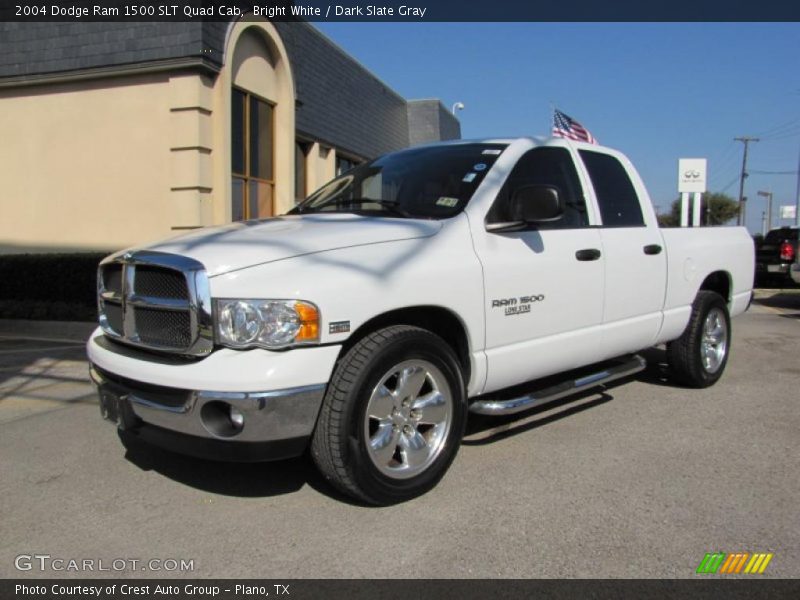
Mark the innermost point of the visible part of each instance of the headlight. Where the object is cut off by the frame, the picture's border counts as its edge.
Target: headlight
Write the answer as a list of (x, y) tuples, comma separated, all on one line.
[(266, 323)]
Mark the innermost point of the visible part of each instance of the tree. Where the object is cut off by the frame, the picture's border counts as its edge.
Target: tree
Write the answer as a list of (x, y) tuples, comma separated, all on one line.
[(715, 209)]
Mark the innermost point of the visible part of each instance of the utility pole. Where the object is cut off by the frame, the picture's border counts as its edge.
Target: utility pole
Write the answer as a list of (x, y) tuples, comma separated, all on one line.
[(768, 214), (742, 211)]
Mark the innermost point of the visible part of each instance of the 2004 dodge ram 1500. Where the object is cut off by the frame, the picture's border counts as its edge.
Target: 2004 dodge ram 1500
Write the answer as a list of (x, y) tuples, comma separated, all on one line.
[(366, 323)]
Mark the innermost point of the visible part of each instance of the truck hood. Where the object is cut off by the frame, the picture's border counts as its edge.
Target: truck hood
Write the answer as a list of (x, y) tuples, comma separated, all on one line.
[(249, 243)]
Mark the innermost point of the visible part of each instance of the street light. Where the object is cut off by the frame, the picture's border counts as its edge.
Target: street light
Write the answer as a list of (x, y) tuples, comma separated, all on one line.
[(458, 106), (768, 196)]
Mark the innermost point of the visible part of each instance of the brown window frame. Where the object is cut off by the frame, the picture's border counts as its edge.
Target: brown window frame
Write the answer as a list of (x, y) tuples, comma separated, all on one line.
[(246, 178), (340, 157)]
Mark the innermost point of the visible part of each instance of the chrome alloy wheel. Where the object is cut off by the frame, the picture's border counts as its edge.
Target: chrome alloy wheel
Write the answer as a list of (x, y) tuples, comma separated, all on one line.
[(408, 417), (714, 343)]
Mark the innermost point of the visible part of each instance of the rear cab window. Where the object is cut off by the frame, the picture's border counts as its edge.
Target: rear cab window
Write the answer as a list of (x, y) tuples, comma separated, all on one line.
[(617, 198)]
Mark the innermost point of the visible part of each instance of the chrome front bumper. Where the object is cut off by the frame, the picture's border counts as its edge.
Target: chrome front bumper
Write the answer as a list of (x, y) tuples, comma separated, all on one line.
[(268, 416)]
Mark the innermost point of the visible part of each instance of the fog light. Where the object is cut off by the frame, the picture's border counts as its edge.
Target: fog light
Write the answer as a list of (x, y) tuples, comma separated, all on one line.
[(221, 419), (237, 418)]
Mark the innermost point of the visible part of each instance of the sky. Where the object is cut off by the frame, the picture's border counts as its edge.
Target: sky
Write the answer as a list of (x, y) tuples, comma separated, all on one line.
[(655, 91)]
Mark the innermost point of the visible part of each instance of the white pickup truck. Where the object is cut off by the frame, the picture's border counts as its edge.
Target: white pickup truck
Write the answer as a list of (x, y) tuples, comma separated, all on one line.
[(367, 322)]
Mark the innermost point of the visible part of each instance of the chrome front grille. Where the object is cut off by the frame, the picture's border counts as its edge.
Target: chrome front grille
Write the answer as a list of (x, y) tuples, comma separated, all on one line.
[(112, 278), (160, 283), (156, 301), (163, 328), (113, 316)]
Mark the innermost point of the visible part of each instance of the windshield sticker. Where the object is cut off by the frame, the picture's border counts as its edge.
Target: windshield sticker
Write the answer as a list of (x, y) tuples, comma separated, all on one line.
[(447, 201), (469, 177), (492, 151), (479, 167)]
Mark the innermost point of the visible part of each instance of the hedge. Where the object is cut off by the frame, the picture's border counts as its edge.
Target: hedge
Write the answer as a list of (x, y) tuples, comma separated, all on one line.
[(57, 287)]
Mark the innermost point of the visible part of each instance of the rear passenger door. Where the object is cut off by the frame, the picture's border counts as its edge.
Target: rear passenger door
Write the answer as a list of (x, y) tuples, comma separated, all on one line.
[(635, 259)]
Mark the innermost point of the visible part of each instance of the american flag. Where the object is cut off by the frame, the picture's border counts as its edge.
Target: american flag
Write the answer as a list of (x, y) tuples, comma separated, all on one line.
[(566, 127)]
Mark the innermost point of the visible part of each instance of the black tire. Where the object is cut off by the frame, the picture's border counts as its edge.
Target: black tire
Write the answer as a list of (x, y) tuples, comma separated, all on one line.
[(690, 364), (344, 429)]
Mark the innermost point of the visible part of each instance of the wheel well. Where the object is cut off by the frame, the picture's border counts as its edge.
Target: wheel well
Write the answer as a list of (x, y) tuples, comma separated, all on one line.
[(435, 319), (719, 282)]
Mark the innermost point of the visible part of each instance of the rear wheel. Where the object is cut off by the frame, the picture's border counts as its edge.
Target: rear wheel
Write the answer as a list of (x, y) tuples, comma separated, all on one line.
[(393, 416), (699, 356)]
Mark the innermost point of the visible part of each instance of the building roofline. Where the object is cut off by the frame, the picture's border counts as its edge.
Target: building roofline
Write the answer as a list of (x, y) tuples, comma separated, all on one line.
[(138, 68), (349, 56)]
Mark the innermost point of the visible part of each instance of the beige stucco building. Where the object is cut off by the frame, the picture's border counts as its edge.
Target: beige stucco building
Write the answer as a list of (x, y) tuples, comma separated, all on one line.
[(121, 133)]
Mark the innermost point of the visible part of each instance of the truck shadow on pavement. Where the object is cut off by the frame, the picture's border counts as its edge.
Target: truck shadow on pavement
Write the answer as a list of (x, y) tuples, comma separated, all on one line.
[(482, 430), (266, 479), (244, 480), (657, 371), (787, 304)]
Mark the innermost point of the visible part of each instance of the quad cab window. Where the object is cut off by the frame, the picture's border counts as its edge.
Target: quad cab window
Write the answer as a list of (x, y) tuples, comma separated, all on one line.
[(619, 203), (544, 166)]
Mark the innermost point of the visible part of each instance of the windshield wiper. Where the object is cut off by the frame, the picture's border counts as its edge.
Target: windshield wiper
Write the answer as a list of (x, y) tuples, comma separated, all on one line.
[(390, 205)]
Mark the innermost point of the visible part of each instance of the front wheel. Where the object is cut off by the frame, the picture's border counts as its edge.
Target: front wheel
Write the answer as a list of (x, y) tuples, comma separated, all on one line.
[(699, 356), (393, 416)]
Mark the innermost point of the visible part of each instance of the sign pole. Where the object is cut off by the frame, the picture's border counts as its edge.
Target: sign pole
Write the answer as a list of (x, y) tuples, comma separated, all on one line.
[(684, 209), (692, 177), (697, 201)]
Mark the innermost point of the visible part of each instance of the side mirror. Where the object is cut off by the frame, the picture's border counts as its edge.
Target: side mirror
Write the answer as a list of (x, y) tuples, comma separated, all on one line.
[(536, 203)]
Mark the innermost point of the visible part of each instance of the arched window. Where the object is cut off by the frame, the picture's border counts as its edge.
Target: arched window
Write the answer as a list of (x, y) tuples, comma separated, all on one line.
[(252, 156)]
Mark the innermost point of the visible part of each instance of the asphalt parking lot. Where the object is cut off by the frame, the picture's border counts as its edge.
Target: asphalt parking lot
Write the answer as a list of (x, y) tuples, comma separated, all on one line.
[(638, 480)]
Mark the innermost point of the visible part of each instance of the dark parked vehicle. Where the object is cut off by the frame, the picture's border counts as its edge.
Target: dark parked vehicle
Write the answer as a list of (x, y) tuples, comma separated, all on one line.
[(776, 254)]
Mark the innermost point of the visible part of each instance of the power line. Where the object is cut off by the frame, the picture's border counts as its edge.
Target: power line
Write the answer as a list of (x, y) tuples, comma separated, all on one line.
[(723, 154), (720, 165), (777, 128), (786, 136), (723, 169), (727, 187)]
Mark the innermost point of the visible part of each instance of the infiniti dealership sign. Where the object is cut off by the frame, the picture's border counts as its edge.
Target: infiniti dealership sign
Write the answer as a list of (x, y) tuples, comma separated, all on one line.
[(692, 175)]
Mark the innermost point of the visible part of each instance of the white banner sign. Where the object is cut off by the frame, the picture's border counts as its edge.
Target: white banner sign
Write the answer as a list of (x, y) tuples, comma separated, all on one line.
[(788, 212), (692, 175)]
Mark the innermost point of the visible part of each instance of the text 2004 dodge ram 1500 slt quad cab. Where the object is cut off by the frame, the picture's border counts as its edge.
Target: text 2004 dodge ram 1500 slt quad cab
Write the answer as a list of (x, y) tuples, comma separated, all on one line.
[(368, 321)]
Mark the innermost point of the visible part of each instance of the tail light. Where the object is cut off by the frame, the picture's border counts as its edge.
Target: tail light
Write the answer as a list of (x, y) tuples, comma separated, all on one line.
[(787, 252)]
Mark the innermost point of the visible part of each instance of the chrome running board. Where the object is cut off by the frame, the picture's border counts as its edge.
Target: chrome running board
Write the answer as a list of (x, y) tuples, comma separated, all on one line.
[(628, 366)]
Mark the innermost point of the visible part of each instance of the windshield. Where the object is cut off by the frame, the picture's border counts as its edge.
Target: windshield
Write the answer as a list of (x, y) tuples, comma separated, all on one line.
[(433, 182)]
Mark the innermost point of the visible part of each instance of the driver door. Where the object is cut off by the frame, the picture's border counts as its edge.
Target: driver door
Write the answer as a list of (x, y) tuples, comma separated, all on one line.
[(544, 284)]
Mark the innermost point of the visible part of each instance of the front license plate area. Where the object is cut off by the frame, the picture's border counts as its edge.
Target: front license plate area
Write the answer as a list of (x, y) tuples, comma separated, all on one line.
[(109, 404), (115, 406)]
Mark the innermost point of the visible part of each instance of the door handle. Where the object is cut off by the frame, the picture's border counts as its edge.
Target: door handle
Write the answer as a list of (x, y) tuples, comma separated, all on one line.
[(588, 254), (652, 249)]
